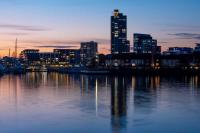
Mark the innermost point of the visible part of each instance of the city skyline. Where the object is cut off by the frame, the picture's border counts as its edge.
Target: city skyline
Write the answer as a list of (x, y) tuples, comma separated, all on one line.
[(50, 24)]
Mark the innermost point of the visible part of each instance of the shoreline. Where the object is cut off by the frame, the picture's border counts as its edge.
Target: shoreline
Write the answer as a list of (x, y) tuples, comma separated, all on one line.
[(119, 71)]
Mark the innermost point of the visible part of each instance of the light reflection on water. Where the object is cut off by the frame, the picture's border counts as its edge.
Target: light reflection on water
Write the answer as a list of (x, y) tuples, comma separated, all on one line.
[(52, 102)]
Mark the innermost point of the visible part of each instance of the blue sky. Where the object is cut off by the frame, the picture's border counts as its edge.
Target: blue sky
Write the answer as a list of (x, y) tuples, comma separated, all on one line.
[(67, 22)]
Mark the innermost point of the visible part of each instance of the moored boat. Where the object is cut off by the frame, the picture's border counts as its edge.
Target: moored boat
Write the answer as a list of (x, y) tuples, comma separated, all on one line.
[(95, 71), (2, 69)]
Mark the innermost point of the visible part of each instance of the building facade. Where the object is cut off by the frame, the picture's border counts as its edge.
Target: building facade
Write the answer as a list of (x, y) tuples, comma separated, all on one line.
[(69, 57), (178, 51), (197, 48), (119, 42), (30, 56), (48, 58), (88, 51), (144, 43)]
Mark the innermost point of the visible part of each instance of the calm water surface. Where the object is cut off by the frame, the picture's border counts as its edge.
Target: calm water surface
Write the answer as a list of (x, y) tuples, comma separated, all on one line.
[(61, 103)]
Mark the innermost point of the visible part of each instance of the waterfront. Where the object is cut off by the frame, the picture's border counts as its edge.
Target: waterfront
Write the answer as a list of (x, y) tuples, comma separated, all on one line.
[(52, 102)]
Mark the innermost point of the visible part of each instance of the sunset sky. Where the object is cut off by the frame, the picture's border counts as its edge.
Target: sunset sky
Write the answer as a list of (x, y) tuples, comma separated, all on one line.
[(48, 24)]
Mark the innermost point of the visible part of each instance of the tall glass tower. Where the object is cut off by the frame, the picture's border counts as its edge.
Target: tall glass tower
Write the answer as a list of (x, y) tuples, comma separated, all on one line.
[(119, 42)]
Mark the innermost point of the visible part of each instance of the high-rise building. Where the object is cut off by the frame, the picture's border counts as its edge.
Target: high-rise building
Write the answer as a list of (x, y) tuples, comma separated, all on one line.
[(88, 51), (119, 42), (144, 43)]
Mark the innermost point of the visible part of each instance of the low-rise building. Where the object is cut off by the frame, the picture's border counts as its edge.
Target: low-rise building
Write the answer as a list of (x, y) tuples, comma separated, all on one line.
[(176, 61), (69, 57), (48, 58), (197, 48), (30, 56), (178, 51), (129, 60)]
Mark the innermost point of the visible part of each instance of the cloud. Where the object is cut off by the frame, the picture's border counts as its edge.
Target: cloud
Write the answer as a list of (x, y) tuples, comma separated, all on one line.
[(187, 35), (54, 46), (50, 42), (57, 44), (64, 42), (162, 42), (179, 27), (184, 26), (12, 48), (15, 33), (23, 27)]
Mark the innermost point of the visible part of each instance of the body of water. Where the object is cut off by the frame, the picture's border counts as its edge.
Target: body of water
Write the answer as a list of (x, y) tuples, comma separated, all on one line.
[(61, 103)]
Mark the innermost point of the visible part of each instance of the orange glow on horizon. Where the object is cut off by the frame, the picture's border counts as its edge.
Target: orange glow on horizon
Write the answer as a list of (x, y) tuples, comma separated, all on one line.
[(5, 46)]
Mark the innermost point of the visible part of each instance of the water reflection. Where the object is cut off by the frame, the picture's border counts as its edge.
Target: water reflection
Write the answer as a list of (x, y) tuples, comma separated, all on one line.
[(112, 103), (118, 103), (145, 95)]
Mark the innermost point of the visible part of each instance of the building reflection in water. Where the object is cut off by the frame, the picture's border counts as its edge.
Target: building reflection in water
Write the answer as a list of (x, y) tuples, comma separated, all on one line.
[(32, 80), (141, 90), (10, 90), (90, 86), (118, 103), (96, 96), (195, 82), (36, 80), (145, 94), (126, 95)]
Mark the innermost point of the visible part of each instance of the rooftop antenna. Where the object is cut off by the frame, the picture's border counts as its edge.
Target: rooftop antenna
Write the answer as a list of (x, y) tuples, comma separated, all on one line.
[(9, 53), (16, 48)]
